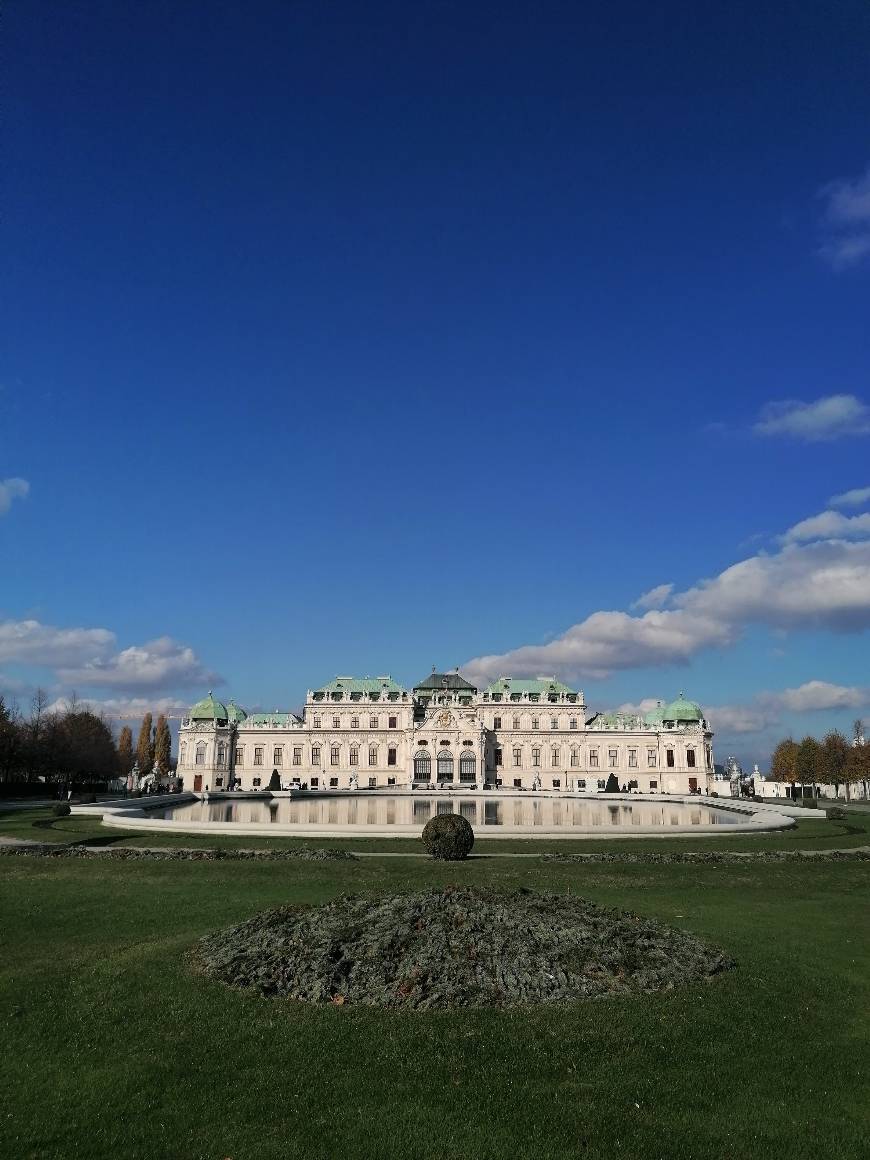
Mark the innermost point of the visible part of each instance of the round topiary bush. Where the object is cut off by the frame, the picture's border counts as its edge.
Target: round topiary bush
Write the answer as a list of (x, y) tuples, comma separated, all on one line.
[(61, 810), (448, 837), (835, 814)]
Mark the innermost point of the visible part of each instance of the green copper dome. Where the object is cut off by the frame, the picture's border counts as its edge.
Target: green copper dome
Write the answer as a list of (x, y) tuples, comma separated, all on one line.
[(208, 709), (655, 716), (235, 713), (683, 710)]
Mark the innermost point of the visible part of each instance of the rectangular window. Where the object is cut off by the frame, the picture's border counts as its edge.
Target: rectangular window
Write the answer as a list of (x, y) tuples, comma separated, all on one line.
[(518, 783), (315, 783), (391, 781), (554, 757), (496, 722), (536, 758), (593, 758), (333, 783), (575, 757), (391, 757), (219, 781), (354, 755), (613, 758), (573, 723), (534, 722), (373, 722), (258, 755), (373, 755), (654, 785), (554, 722), (601, 783), (516, 722), (354, 722), (316, 722), (393, 722), (632, 759), (498, 759), (255, 782), (297, 754), (333, 755), (336, 722), (581, 783), (518, 758), (669, 757), (277, 755), (651, 759), (690, 758), (557, 783), (240, 755), (315, 755), (373, 782)]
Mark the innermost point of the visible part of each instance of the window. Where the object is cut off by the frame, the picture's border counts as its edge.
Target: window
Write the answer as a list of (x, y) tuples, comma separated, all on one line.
[(632, 759), (315, 755), (554, 756), (593, 758), (219, 781), (690, 758), (518, 757), (496, 722), (182, 753), (445, 766), (334, 755), (613, 758), (669, 758), (240, 755), (392, 722), (467, 766), (422, 766), (222, 755), (258, 755), (651, 759), (601, 783), (654, 785), (557, 783), (498, 758), (200, 753), (277, 755), (373, 722), (373, 781), (467, 744), (575, 756), (534, 722), (315, 783), (391, 756), (333, 783), (516, 722), (581, 783), (518, 783), (354, 755), (336, 722), (573, 723), (391, 781), (256, 781), (554, 722), (354, 722), (373, 755), (316, 722), (297, 754), (536, 758)]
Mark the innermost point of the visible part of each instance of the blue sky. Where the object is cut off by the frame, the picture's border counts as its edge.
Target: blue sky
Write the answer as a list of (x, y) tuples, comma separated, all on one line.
[(345, 338)]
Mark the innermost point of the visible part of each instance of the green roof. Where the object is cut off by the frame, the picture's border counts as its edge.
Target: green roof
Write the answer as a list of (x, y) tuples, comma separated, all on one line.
[(521, 685), (235, 712), (615, 720), (683, 710), (361, 685), (655, 716), (446, 681), (271, 718), (208, 709)]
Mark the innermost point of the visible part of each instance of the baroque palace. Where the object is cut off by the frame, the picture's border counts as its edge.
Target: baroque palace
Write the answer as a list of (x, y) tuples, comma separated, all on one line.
[(369, 733)]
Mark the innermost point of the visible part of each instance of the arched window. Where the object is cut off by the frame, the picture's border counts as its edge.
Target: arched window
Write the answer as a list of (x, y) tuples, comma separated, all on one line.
[(445, 766), (222, 755), (422, 766), (200, 753), (467, 766), (182, 753)]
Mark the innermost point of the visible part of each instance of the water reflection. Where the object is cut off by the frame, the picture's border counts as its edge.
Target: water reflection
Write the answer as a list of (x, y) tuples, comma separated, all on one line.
[(415, 810)]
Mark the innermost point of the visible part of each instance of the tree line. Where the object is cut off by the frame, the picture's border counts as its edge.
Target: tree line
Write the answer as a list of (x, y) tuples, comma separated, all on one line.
[(74, 745), (832, 761)]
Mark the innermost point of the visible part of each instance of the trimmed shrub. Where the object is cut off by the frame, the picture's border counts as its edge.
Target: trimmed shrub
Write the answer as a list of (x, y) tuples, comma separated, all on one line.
[(275, 780), (835, 814), (61, 810), (448, 837)]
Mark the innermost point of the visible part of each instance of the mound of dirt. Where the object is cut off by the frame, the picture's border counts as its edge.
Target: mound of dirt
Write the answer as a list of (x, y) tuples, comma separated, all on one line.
[(457, 947)]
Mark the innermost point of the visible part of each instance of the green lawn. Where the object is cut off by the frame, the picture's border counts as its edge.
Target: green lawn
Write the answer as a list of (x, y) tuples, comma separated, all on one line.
[(112, 1047), (814, 833)]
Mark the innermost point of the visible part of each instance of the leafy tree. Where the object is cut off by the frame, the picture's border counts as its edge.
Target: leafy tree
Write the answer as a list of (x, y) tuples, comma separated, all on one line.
[(832, 758), (86, 750), (10, 742), (807, 761), (162, 745), (857, 767), (783, 761), (145, 746), (125, 751)]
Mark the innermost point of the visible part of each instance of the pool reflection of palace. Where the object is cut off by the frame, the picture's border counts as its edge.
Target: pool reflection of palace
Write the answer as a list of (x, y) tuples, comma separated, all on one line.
[(370, 732)]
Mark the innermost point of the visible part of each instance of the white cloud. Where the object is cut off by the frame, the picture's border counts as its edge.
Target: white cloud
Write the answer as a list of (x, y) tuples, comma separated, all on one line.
[(643, 706), (830, 417), (31, 642), (731, 719), (854, 498), (816, 696), (123, 708), (11, 489), (829, 525), (161, 663), (655, 598), (847, 221)]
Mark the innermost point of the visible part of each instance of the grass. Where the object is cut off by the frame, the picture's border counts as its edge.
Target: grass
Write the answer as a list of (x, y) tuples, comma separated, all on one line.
[(814, 833), (113, 1047)]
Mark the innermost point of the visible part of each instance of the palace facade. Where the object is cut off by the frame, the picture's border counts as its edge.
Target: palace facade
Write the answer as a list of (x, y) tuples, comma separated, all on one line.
[(371, 733)]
